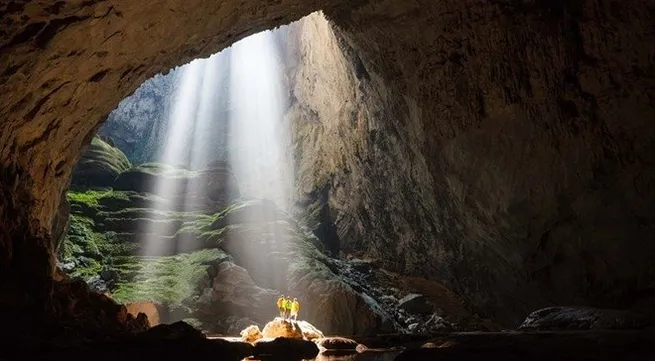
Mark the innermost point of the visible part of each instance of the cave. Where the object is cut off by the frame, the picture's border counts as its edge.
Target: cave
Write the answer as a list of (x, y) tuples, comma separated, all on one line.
[(493, 155)]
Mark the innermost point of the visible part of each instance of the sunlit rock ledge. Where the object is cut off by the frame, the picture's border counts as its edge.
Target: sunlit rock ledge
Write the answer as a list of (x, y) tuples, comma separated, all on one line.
[(280, 327)]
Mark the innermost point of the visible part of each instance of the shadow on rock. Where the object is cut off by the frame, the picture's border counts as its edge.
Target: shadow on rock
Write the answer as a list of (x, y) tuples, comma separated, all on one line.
[(288, 348)]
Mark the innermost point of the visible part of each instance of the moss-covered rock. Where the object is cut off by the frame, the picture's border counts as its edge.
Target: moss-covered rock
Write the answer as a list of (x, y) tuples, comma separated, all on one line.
[(99, 166), (185, 188), (281, 255), (180, 260)]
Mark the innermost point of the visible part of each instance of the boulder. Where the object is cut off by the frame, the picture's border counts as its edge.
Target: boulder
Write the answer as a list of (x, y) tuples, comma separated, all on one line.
[(415, 303), (79, 308), (99, 166), (97, 284), (251, 333), (288, 348), (177, 331), (336, 343), (150, 309), (309, 332), (280, 327), (583, 318)]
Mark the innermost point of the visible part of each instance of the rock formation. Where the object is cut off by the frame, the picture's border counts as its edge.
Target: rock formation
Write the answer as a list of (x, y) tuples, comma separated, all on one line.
[(251, 334), (584, 318), (504, 148), (99, 166), (487, 152), (219, 264), (282, 328)]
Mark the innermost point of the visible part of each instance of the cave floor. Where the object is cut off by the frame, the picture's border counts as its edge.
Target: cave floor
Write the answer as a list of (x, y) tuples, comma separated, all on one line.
[(506, 346)]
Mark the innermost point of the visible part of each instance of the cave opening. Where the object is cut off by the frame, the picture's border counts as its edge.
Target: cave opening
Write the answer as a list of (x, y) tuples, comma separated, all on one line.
[(184, 172), (456, 166)]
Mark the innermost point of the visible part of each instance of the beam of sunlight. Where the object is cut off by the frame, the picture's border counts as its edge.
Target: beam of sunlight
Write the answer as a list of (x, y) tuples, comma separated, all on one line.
[(257, 105), (240, 93)]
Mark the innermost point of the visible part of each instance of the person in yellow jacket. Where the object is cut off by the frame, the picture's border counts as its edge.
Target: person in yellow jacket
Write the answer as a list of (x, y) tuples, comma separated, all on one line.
[(295, 307), (287, 307), (281, 305)]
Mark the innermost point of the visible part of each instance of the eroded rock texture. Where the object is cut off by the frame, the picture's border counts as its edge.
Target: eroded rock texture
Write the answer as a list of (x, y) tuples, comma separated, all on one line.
[(504, 147), (66, 65)]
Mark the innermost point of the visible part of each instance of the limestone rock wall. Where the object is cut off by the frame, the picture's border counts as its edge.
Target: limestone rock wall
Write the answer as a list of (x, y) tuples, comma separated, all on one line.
[(504, 148), (66, 65)]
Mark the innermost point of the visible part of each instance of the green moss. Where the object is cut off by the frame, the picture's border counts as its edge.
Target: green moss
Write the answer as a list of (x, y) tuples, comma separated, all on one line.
[(170, 281), (154, 214), (93, 198), (111, 155), (212, 238), (164, 169), (89, 198)]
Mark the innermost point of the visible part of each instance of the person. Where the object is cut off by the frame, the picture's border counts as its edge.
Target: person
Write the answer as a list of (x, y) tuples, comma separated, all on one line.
[(287, 307), (295, 307), (281, 304)]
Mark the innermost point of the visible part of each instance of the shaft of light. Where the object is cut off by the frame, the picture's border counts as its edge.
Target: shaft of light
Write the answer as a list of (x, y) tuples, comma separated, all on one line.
[(257, 105)]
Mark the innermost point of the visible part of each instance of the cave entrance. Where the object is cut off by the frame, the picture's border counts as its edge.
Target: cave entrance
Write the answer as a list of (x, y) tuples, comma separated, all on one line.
[(189, 181)]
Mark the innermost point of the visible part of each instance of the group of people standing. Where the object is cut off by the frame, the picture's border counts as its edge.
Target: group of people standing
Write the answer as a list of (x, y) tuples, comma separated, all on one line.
[(288, 309)]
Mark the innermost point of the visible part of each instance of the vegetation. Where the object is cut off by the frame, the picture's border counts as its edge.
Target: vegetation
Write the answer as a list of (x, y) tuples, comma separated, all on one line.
[(113, 156), (107, 228), (99, 166), (171, 281), (91, 198), (164, 169)]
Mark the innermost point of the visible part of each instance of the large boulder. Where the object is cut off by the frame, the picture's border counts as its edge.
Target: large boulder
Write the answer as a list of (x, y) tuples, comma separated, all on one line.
[(309, 331), (280, 327), (336, 343), (177, 331), (285, 348), (99, 166), (150, 309), (251, 333), (583, 318)]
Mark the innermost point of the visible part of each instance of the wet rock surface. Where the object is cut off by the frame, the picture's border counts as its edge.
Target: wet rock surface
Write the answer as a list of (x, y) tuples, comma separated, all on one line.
[(537, 346), (337, 343), (584, 318), (291, 348)]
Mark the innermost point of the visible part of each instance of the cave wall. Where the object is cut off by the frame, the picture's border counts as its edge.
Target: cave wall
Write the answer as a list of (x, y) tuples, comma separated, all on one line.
[(66, 65), (502, 147), (507, 150)]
